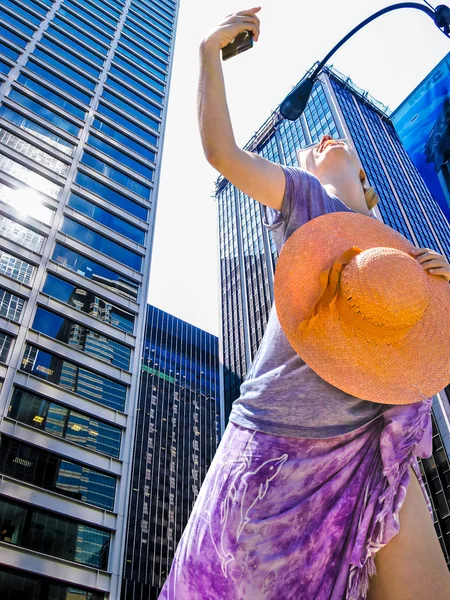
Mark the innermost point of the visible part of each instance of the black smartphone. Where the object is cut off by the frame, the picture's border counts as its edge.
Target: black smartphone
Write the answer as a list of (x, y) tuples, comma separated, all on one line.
[(242, 42)]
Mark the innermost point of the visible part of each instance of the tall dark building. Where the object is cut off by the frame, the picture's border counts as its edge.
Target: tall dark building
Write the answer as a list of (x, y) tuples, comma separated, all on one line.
[(248, 256), (177, 433), (84, 86)]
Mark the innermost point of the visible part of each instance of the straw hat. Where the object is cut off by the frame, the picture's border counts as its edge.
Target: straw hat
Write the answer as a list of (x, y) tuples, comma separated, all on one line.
[(361, 312)]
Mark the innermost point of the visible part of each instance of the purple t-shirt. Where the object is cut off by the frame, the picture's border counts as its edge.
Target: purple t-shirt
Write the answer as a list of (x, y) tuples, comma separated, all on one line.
[(281, 394)]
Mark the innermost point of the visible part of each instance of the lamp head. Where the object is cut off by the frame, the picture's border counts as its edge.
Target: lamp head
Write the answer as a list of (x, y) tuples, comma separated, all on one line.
[(295, 102)]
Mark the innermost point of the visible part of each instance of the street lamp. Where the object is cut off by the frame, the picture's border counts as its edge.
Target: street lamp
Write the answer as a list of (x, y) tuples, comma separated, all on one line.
[(295, 102)]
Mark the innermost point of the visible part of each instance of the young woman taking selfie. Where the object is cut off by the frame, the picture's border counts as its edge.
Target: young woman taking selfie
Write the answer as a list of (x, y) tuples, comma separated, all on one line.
[(315, 492)]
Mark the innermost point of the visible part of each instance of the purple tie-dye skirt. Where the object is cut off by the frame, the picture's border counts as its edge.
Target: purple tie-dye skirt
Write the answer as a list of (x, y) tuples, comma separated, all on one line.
[(280, 518)]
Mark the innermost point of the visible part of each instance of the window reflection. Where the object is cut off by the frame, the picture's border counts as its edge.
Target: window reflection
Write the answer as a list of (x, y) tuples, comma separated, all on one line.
[(88, 302), (38, 131), (16, 584), (21, 235), (116, 175), (55, 419), (74, 378), (53, 534), (46, 470), (82, 338), (15, 268), (107, 193), (44, 112), (93, 270), (11, 306), (30, 177)]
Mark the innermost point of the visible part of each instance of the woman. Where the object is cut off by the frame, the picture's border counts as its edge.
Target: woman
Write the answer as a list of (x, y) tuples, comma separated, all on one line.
[(304, 493)]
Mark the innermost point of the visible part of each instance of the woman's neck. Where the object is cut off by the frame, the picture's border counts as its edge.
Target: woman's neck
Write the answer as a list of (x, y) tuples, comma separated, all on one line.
[(349, 191)]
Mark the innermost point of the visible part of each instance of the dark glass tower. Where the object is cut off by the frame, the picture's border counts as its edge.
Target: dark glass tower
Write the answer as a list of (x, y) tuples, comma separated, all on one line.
[(83, 92), (248, 256), (177, 434)]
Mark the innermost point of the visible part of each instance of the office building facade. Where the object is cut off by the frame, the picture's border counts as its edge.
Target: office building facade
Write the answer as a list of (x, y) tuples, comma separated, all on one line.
[(248, 255), (177, 434), (83, 97)]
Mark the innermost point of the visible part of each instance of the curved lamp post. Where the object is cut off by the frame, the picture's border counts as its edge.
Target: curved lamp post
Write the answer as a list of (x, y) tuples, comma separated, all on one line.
[(295, 102)]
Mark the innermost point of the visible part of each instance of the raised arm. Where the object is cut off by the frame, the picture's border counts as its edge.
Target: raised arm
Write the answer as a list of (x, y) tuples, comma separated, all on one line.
[(257, 177)]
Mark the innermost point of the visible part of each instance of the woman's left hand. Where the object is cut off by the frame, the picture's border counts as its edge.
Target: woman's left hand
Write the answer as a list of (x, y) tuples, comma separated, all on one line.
[(433, 262)]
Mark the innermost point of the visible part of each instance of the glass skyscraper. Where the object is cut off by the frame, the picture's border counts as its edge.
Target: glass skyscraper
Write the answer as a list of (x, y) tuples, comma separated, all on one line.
[(83, 98), (248, 256), (176, 438)]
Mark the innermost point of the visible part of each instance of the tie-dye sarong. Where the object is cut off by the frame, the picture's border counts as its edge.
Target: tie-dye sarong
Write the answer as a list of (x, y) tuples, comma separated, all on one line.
[(280, 518)]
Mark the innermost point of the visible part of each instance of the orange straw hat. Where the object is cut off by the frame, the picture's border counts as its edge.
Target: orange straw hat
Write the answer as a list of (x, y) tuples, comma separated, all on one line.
[(361, 312)]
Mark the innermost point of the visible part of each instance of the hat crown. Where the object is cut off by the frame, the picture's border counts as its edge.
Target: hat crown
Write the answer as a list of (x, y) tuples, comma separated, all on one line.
[(386, 287)]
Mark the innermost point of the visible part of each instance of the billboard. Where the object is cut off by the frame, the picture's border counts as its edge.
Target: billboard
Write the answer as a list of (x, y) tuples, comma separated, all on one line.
[(422, 122)]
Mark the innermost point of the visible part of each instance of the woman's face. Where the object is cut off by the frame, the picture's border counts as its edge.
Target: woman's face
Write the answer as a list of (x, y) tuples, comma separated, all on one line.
[(329, 157)]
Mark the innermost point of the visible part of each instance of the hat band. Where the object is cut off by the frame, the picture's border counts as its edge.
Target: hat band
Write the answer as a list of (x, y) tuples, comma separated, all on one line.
[(329, 280)]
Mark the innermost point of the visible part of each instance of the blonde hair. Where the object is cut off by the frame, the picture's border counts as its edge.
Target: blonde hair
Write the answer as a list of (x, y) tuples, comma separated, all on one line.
[(370, 194)]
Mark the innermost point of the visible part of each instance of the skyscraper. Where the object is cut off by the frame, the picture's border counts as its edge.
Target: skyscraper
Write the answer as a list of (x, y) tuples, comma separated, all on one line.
[(248, 255), (176, 438), (83, 97)]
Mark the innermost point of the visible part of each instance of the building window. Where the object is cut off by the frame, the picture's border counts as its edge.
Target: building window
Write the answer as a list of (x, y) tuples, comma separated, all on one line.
[(23, 147), (74, 378), (144, 63), (5, 346), (80, 337), (130, 110), (17, 24), (60, 83), (79, 48), (127, 43), (6, 50), (45, 113), (78, 32), (108, 193), (83, 24), (22, 584), (53, 534), (15, 268), (102, 244), (52, 139), (21, 235), (48, 94), (121, 157), (134, 77), (92, 270), (13, 37), (20, 10), (88, 302), (46, 470), (54, 419), (134, 97), (117, 175), (26, 201), (39, 183), (106, 218), (11, 306), (69, 55)]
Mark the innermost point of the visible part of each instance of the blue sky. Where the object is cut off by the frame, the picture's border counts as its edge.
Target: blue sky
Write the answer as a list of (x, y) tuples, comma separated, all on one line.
[(389, 57)]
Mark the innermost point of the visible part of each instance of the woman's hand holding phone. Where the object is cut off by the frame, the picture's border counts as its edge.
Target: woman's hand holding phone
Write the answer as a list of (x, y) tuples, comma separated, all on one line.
[(227, 30)]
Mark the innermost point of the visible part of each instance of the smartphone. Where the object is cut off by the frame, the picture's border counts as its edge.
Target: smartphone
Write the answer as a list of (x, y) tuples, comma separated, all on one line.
[(242, 42)]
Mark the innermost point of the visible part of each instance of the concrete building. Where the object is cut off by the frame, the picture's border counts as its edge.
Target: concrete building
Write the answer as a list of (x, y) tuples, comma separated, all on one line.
[(83, 95), (177, 434)]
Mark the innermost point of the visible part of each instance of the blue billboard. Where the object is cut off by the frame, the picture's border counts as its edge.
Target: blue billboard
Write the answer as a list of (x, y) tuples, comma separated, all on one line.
[(422, 122)]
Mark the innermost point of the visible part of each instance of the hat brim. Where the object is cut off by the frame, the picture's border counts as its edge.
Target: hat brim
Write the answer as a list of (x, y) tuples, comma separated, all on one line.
[(385, 371)]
